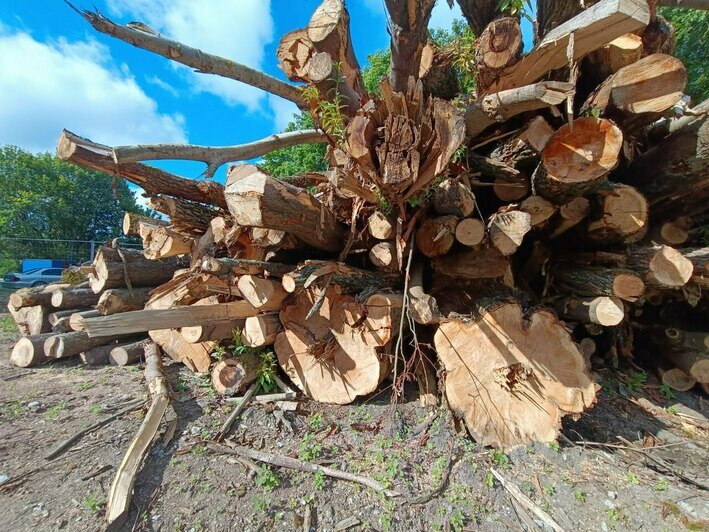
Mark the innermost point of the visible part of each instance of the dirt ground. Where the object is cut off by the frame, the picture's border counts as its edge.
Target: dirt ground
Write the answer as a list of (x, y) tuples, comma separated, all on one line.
[(186, 486)]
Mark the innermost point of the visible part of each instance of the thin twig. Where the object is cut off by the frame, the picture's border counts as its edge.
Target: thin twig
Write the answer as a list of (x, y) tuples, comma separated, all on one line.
[(423, 499), (292, 463), (66, 444), (404, 312), (237, 412)]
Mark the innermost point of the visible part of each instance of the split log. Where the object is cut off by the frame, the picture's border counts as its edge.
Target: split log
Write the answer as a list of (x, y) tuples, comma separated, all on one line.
[(233, 376), (505, 104), (110, 271), (507, 230), (381, 226), (622, 216), (67, 298), (260, 330), (674, 174), (116, 300), (129, 353), (592, 28), (119, 497), (294, 51), (211, 332), (486, 263), (261, 201), (263, 294), (407, 24), (325, 356), (602, 310), (161, 242), (31, 320), (383, 256), (195, 356), (72, 343), (518, 394), (381, 325), (470, 232), (589, 281), (452, 196), (523, 149), (576, 159), (639, 93), (540, 210), (661, 266), (29, 351), (132, 221), (436, 236), (34, 295), (350, 280), (76, 320), (187, 288), (423, 307), (498, 47), (81, 151), (155, 319)]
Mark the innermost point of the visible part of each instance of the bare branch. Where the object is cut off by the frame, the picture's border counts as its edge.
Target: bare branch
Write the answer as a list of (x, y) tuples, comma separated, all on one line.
[(144, 37), (215, 156)]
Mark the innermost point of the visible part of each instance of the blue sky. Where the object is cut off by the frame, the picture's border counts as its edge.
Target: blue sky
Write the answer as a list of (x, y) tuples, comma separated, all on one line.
[(57, 72)]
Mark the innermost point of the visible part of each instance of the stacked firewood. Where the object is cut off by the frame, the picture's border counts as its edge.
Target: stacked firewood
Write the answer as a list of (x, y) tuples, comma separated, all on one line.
[(496, 245)]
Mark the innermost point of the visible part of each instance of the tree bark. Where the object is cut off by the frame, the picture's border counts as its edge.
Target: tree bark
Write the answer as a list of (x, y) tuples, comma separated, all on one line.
[(35, 295), (187, 217), (602, 310), (661, 266), (67, 298), (224, 266), (350, 280), (452, 196), (407, 26), (132, 221), (589, 281), (553, 13), (29, 351), (72, 343), (258, 200), (479, 13), (83, 152), (125, 354), (486, 263)]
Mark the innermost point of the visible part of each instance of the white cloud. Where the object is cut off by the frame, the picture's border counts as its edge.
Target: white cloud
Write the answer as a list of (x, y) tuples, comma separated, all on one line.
[(238, 30), (45, 87), (155, 80)]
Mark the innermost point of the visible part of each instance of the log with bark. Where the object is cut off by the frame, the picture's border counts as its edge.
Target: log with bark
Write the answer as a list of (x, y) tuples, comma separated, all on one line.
[(232, 376)]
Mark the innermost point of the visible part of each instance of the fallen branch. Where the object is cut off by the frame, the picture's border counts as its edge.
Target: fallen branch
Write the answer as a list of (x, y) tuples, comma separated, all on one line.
[(66, 444), (216, 156), (245, 400), (526, 502), (204, 63), (122, 488), (292, 463)]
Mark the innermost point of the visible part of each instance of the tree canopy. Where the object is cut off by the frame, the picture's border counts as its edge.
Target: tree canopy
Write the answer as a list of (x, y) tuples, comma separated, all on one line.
[(692, 32), (42, 196)]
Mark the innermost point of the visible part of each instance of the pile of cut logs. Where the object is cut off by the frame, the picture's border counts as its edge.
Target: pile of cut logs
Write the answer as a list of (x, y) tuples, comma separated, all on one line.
[(497, 245)]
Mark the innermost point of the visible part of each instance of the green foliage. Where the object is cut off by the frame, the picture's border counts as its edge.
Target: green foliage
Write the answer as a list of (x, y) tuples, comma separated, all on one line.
[(501, 459), (319, 481), (266, 373), (296, 159), (692, 32), (267, 479), (666, 391), (92, 503), (459, 41), (636, 381), (42, 196), (580, 496), (316, 421), (515, 8), (378, 67), (329, 112), (309, 449)]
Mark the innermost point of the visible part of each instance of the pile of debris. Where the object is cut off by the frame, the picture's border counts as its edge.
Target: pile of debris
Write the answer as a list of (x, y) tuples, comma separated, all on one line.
[(496, 245)]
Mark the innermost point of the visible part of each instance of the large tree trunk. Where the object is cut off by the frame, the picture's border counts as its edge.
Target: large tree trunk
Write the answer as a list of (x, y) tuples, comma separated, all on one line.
[(29, 351), (479, 13), (67, 298), (325, 355), (116, 300), (518, 394), (72, 343), (499, 47), (553, 13)]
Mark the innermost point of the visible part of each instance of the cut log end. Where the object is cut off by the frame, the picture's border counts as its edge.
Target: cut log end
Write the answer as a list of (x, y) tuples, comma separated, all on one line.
[(234, 375), (669, 268), (518, 394), (470, 232)]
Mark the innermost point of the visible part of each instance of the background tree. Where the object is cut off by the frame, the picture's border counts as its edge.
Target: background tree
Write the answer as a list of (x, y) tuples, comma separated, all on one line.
[(692, 32), (44, 197)]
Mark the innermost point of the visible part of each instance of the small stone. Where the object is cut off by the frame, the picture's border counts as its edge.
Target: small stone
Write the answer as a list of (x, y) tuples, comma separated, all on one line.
[(33, 406), (612, 495)]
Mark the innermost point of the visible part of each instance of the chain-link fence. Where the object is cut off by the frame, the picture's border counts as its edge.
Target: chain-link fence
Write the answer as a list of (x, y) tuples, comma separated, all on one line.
[(65, 252)]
